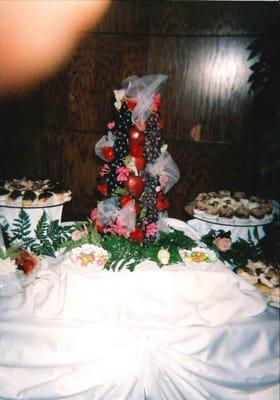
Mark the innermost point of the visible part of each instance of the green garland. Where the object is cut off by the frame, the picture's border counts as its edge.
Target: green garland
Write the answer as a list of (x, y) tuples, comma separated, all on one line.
[(51, 237), (240, 252)]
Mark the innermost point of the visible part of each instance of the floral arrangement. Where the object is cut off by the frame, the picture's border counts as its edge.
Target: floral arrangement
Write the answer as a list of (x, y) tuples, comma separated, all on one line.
[(123, 252), (233, 253), (137, 169)]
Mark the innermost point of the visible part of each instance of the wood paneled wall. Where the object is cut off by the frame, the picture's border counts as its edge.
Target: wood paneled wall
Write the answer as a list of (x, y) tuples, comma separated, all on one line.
[(201, 46)]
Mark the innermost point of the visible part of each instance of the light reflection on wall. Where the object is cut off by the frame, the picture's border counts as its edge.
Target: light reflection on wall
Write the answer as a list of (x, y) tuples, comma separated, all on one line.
[(227, 73)]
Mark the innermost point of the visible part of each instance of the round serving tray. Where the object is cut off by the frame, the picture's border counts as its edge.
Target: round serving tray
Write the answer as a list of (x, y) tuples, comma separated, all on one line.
[(232, 222), (31, 207)]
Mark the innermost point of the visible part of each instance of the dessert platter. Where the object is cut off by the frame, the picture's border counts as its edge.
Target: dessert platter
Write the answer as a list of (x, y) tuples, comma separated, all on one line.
[(32, 193), (233, 209), (129, 304)]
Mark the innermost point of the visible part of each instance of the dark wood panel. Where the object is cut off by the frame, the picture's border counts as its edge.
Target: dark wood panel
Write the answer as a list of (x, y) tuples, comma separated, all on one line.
[(70, 158), (207, 89), (20, 138), (81, 96), (125, 16), (211, 17)]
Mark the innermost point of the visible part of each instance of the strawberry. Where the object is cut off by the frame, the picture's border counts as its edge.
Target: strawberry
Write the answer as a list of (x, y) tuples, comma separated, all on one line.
[(137, 235)]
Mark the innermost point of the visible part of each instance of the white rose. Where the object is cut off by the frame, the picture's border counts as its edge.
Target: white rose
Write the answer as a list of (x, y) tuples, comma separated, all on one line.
[(163, 256)]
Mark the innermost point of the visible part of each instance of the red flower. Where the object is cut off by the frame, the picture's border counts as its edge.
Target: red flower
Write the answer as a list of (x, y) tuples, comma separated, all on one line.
[(137, 235), (162, 203), (131, 104), (26, 261)]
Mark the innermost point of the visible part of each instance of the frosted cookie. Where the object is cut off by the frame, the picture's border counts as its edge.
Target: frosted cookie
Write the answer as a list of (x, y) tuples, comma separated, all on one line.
[(14, 196), (46, 198), (247, 274), (3, 193), (275, 295), (29, 198), (225, 212), (263, 289), (239, 195), (270, 277), (241, 214)]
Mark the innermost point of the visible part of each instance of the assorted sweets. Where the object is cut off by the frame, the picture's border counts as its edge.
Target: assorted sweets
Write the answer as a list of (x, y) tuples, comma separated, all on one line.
[(226, 206), (264, 277), (27, 193)]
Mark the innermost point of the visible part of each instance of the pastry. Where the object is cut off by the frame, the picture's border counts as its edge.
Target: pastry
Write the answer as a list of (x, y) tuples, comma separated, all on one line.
[(28, 199)]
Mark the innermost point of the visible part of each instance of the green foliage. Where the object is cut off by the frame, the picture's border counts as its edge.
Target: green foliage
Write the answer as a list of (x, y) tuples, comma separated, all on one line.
[(241, 251), (48, 238), (123, 252), (21, 231), (11, 252)]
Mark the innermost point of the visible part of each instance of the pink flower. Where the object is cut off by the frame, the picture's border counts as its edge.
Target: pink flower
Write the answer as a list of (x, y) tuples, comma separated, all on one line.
[(117, 228), (78, 235), (156, 103), (163, 179), (104, 170), (151, 229), (223, 244), (111, 125), (93, 214), (122, 174)]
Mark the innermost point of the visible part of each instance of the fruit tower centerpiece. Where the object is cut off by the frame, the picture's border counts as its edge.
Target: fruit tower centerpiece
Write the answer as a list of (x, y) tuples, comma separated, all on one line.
[(137, 169)]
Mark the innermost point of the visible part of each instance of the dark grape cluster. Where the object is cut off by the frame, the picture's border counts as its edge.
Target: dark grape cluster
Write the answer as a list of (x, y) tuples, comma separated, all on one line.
[(121, 145), (123, 118), (152, 122), (149, 194), (152, 146)]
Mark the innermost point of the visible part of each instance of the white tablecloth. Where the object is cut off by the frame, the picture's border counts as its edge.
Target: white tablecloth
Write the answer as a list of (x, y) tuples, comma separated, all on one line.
[(171, 334)]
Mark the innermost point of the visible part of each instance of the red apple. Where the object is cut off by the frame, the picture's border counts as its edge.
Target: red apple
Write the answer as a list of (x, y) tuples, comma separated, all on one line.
[(135, 185), (136, 150), (137, 235), (136, 136), (108, 152)]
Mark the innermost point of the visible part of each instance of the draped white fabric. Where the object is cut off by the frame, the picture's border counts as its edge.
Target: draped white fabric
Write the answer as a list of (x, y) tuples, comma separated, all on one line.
[(151, 334), (156, 334)]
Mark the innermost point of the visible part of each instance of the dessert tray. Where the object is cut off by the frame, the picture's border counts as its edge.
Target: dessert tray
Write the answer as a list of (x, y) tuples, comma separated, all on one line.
[(25, 193), (232, 209), (246, 222)]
